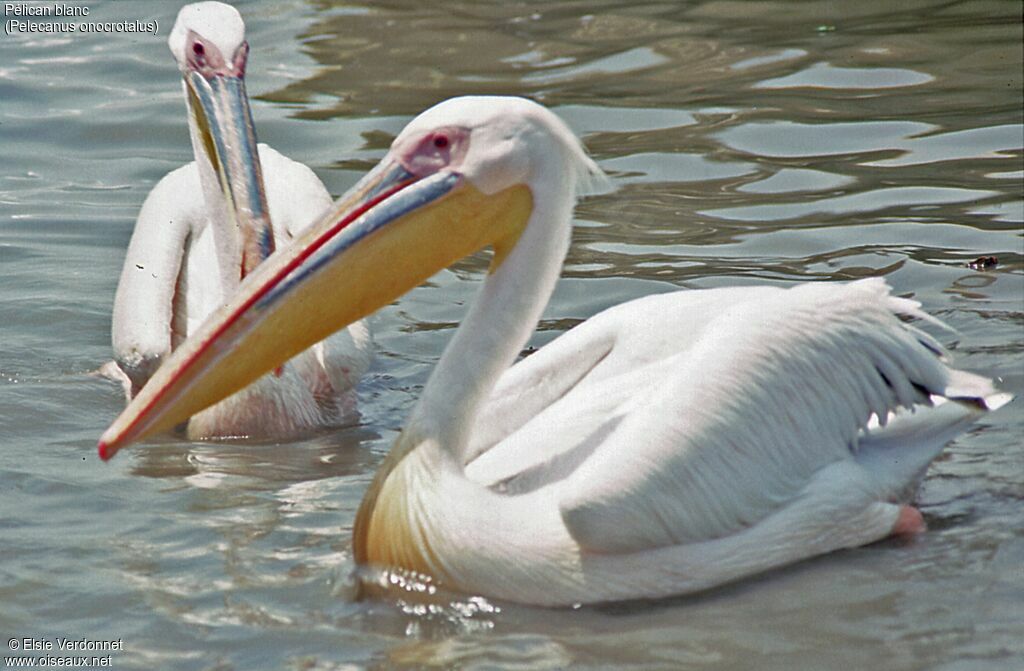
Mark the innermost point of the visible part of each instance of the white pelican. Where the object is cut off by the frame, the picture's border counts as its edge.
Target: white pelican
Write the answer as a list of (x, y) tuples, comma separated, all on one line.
[(667, 445), (206, 225)]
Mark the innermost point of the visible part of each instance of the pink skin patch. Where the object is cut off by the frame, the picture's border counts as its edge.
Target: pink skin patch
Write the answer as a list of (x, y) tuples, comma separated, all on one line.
[(909, 523), (207, 60), (425, 154)]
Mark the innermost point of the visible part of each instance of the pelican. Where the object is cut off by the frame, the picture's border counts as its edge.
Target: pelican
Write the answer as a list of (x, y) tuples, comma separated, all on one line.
[(206, 226), (667, 445)]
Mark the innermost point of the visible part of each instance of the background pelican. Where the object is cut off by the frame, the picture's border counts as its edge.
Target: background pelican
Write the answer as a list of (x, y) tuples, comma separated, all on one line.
[(206, 225), (667, 445)]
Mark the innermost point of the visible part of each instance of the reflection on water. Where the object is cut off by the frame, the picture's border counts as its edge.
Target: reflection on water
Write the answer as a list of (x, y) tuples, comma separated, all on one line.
[(771, 141)]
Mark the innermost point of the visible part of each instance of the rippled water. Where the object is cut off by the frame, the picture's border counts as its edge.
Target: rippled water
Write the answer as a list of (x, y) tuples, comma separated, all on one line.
[(766, 141)]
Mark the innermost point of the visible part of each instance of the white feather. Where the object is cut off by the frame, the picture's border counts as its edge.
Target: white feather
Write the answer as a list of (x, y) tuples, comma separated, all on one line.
[(668, 444), (183, 262)]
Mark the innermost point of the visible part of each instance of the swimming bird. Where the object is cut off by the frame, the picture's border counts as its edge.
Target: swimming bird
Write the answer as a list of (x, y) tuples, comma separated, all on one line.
[(667, 445), (206, 226)]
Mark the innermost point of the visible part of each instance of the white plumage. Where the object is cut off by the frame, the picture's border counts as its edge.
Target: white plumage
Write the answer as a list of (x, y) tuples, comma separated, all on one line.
[(686, 439), (185, 259), (666, 445)]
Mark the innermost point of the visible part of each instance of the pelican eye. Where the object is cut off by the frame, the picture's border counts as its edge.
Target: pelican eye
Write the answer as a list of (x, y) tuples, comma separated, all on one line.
[(198, 54), (426, 153)]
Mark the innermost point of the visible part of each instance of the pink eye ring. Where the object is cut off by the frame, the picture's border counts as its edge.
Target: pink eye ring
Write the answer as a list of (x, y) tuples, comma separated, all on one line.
[(431, 150)]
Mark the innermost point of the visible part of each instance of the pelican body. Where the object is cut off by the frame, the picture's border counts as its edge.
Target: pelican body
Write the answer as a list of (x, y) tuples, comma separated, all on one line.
[(206, 226), (667, 445)]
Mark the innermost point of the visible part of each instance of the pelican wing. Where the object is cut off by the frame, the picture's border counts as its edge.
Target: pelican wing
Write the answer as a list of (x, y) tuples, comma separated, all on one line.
[(295, 195), (776, 385), (526, 389), (549, 411), (144, 306)]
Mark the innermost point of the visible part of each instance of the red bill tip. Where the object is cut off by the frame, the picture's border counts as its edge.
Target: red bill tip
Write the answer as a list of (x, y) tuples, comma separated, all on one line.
[(103, 451)]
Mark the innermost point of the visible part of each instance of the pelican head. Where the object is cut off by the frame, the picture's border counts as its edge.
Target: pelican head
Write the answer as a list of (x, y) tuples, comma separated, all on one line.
[(209, 38), (466, 174), (208, 42)]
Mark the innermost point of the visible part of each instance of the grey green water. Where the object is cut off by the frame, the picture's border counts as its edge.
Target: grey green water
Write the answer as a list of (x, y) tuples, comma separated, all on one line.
[(769, 142)]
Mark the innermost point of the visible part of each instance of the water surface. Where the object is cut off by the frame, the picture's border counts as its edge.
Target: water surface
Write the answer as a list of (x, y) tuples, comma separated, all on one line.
[(768, 142)]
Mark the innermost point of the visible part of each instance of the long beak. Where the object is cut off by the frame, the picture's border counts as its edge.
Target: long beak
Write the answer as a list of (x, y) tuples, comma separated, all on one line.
[(220, 111), (391, 232)]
